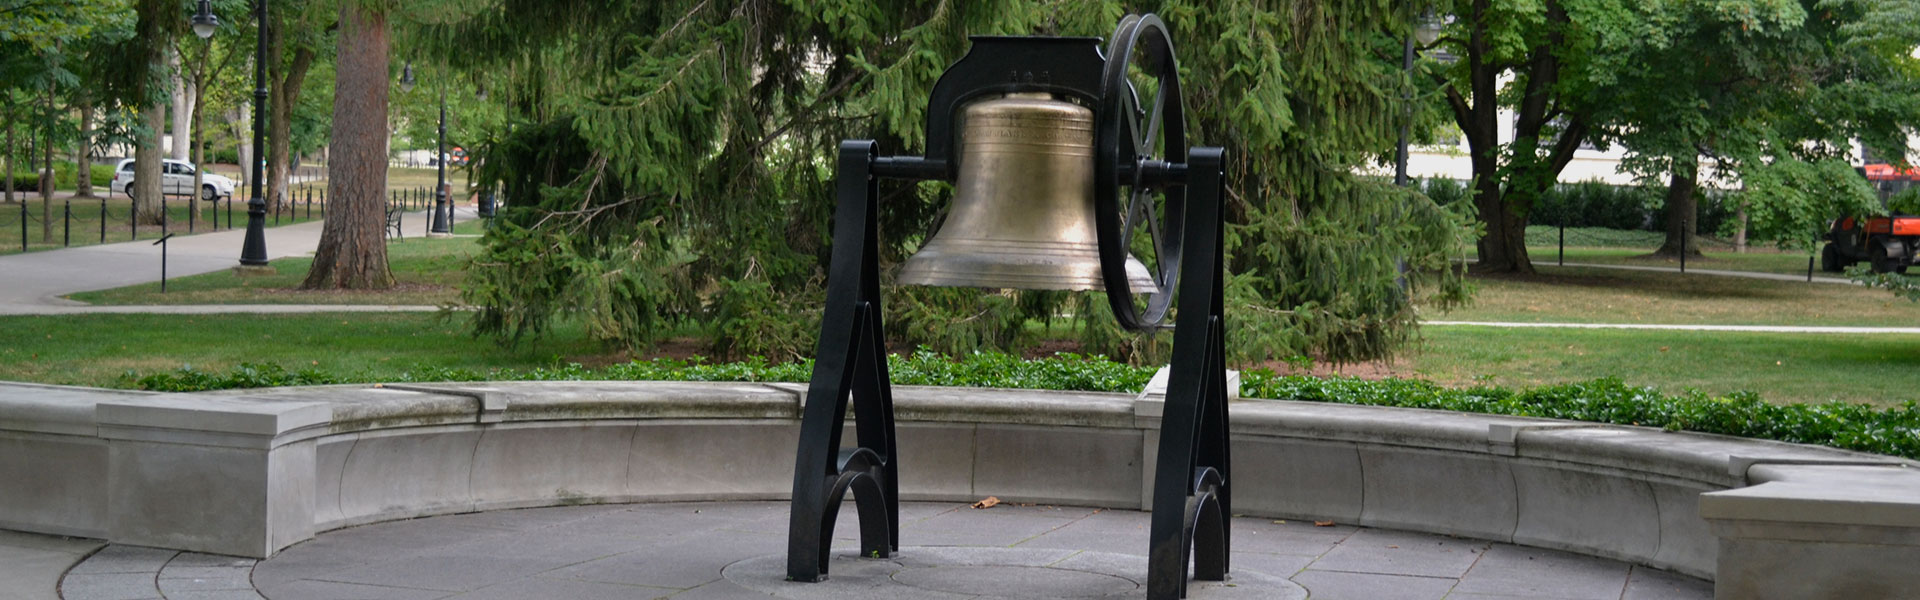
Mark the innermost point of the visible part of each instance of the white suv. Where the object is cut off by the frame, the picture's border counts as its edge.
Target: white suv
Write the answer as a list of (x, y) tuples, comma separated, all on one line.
[(177, 178)]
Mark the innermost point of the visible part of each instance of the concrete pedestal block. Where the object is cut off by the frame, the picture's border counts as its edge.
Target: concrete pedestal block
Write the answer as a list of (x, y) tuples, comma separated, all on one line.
[(218, 474), (1297, 479), (1058, 465), (1439, 492), (233, 501), (691, 460), (543, 465), (53, 484), (1818, 532), (388, 475), (1763, 561), (1596, 513), (936, 460)]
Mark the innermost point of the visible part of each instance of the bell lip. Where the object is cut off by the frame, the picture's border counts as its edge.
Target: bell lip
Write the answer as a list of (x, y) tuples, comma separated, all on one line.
[(925, 271)]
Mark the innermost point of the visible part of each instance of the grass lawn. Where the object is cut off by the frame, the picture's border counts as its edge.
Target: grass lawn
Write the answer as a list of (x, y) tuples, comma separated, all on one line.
[(426, 271), (97, 350), (1594, 295), (1620, 247), (101, 350), (1761, 260), (1878, 369)]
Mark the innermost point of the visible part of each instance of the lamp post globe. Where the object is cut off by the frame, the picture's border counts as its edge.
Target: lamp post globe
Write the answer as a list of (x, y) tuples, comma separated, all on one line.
[(204, 23)]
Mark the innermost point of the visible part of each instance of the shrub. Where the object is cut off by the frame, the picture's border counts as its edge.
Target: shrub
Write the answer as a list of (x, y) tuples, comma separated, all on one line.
[(63, 177), (1893, 431)]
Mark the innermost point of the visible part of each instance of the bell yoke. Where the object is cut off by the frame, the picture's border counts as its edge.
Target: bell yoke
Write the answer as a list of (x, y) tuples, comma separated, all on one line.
[(1063, 174)]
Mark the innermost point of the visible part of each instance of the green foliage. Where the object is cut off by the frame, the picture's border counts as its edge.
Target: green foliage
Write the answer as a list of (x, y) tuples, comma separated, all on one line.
[(1902, 286), (63, 177), (693, 142), (1594, 203), (1907, 202), (247, 375), (1792, 201), (1894, 431)]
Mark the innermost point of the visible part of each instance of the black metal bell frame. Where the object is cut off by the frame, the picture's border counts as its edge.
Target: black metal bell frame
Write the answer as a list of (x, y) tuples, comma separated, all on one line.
[(1133, 163)]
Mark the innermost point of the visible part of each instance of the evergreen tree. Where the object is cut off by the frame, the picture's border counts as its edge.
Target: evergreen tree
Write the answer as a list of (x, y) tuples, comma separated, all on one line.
[(667, 162)]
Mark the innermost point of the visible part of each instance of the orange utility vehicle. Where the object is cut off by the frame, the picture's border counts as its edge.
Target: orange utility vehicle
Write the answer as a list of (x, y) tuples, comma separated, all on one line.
[(1889, 244)]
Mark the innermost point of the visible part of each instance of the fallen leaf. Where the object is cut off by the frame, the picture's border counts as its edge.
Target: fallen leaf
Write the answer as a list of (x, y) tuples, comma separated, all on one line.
[(1394, 546), (1323, 523), (1280, 522), (1663, 348), (990, 502)]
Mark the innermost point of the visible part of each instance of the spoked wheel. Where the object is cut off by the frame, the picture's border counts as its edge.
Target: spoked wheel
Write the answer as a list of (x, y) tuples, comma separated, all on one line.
[(1134, 204)]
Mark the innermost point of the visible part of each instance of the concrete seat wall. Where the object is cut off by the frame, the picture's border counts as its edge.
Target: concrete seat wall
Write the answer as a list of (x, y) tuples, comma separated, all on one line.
[(250, 473)]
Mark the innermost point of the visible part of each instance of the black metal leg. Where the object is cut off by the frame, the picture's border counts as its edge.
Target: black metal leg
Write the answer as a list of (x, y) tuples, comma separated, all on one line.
[(850, 366), (1191, 497)]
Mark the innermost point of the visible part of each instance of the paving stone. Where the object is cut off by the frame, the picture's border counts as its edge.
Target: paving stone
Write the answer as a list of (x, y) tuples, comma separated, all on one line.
[(247, 594), (847, 524), (737, 550), (679, 565), (998, 526), (334, 590), (720, 590), (540, 587), (1398, 553), (1646, 583), (125, 559), (108, 586), (1546, 574), (1109, 530), (1334, 585), (1279, 565), (1295, 537), (196, 559), (232, 581), (444, 572), (173, 572)]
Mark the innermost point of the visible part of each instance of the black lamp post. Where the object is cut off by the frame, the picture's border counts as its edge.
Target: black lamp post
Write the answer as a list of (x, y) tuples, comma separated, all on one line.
[(253, 252), (442, 211)]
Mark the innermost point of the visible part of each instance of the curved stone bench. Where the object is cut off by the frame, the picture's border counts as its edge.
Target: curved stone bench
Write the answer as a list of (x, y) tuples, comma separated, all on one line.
[(248, 473)]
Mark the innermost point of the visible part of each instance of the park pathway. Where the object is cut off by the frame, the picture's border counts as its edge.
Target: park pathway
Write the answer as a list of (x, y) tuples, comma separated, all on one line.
[(1717, 273), (32, 283)]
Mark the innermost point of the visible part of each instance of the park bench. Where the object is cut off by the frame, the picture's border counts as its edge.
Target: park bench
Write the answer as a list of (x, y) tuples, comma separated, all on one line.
[(393, 221)]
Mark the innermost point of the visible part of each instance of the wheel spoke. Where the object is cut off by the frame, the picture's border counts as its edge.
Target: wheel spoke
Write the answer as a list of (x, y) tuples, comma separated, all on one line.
[(1133, 217), (1145, 144)]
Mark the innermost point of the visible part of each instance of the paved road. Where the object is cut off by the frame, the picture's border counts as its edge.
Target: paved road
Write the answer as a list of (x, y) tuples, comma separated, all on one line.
[(35, 281)]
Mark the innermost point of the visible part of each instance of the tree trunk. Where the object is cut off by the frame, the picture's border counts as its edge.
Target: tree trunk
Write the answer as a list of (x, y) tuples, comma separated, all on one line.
[(286, 80), (1503, 249), (83, 162), (1683, 209), (1740, 235), (8, 155), (353, 244), (147, 177), (182, 106)]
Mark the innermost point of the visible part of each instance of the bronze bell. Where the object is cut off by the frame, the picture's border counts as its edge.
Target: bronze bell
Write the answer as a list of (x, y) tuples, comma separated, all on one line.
[(1022, 214)]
